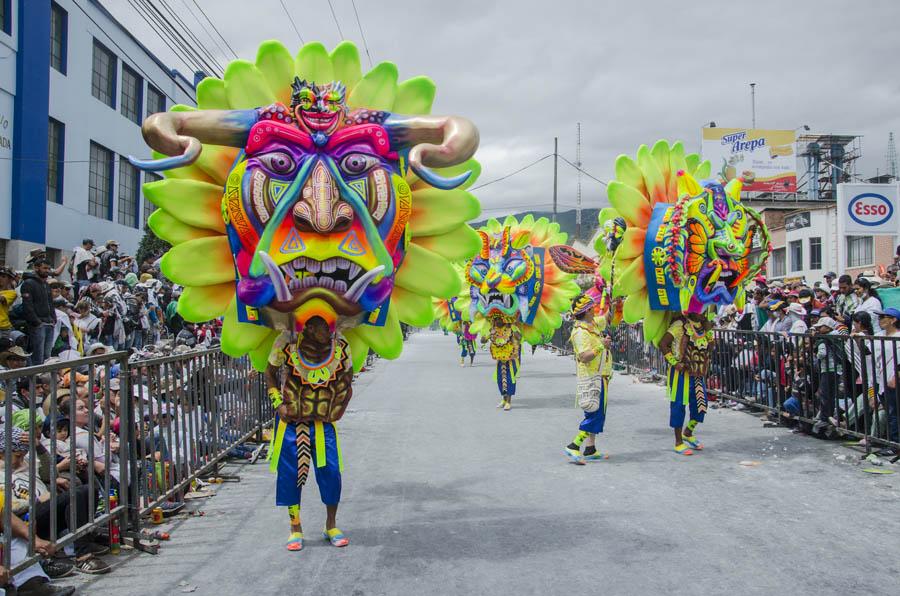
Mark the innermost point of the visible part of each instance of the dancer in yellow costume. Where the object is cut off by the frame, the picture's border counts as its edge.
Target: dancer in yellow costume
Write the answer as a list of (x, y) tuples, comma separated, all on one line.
[(316, 208)]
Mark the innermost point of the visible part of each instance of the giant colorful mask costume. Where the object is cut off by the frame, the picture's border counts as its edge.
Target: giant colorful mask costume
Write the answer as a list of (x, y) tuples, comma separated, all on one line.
[(516, 291), (303, 207), (686, 250)]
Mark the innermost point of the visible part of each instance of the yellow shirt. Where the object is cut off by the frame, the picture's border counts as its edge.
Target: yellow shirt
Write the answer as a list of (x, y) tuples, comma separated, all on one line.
[(585, 337), (10, 297)]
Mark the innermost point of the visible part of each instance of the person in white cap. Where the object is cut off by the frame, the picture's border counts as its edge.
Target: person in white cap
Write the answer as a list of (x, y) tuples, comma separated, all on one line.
[(796, 314)]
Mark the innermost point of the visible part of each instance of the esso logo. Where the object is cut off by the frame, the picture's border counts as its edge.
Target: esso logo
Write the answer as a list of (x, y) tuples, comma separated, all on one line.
[(870, 209)]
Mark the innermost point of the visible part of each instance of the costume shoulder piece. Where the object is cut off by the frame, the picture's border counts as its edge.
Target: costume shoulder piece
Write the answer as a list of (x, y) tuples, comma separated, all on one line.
[(688, 245), (301, 188), (513, 277)]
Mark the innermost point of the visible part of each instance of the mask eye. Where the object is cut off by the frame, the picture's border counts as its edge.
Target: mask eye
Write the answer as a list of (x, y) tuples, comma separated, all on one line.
[(278, 162), (354, 164), (478, 271), (514, 269)]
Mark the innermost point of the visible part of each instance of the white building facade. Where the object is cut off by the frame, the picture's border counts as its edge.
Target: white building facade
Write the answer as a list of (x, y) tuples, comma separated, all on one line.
[(74, 107), (806, 247)]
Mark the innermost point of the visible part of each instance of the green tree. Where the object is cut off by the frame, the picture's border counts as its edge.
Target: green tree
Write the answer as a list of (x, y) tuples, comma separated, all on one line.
[(151, 246)]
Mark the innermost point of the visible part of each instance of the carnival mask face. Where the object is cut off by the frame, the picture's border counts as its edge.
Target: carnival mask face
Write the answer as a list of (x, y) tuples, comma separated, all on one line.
[(499, 275), (316, 210), (720, 238), (319, 107)]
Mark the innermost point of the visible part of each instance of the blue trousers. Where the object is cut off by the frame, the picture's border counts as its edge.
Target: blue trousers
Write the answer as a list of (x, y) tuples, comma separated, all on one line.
[(507, 371), (593, 421), (328, 476), (685, 390)]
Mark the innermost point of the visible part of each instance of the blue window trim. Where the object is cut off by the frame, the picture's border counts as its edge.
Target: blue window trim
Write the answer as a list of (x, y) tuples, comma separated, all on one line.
[(111, 168), (64, 52), (6, 25), (115, 80), (137, 200), (61, 162), (140, 93)]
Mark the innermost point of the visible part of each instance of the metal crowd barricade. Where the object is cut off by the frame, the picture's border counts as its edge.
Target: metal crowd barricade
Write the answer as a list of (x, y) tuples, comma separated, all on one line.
[(172, 420), (58, 488), (831, 385)]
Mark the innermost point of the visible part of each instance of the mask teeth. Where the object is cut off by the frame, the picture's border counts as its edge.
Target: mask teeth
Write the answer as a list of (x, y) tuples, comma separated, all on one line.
[(282, 293), (360, 285)]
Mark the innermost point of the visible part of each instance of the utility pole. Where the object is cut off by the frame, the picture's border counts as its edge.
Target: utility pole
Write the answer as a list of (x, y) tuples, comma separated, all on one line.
[(753, 103), (578, 192), (555, 154)]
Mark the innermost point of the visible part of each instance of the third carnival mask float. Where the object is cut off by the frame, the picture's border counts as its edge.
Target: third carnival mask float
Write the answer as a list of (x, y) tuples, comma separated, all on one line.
[(687, 249), (316, 209), (516, 291)]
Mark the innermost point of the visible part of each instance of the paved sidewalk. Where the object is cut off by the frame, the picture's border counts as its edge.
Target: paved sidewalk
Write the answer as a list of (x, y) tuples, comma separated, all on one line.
[(444, 494)]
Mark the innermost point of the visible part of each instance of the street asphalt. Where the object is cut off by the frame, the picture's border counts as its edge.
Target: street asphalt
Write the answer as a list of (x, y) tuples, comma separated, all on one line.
[(445, 494)]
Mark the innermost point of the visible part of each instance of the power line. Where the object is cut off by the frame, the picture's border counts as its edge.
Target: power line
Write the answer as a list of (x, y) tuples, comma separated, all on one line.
[(334, 16), (588, 174), (211, 37), (161, 24), (293, 24), (361, 34), (211, 24), (511, 174), (203, 50)]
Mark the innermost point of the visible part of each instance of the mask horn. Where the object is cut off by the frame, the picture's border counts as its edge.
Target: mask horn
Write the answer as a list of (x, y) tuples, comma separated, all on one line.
[(485, 245), (435, 142), (181, 135)]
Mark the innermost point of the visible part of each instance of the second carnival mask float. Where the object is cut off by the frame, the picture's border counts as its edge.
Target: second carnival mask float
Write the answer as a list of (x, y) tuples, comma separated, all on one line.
[(316, 209), (515, 292)]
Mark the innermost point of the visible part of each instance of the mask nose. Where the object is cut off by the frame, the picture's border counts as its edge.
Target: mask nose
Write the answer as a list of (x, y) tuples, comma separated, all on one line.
[(320, 208)]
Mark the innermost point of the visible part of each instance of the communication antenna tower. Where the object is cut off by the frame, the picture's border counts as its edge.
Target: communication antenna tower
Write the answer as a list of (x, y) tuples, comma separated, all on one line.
[(578, 191), (892, 156)]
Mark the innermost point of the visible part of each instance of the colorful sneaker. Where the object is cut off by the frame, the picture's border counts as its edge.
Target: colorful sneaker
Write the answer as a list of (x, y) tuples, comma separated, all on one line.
[(507, 406), (683, 449), (575, 456), (502, 403), (596, 456), (336, 537), (692, 441), (295, 542)]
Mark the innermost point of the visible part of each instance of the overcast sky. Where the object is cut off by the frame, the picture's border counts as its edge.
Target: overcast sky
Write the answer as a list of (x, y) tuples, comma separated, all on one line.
[(631, 72)]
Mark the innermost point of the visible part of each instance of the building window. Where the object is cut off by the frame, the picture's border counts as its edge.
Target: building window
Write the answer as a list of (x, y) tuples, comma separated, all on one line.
[(59, 33), (56, 148), (132, 94), (796, 251), (103, 81), (778, 268), (860, 251), (149, 207), (156, 101), (815, 253), (6, 16), (129, 190), (100, 179)]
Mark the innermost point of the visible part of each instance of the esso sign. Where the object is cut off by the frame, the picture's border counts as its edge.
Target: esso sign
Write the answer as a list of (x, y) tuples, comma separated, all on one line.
[(870, 209)]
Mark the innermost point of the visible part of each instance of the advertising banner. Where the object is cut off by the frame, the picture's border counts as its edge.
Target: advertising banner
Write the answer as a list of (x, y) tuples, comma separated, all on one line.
[(764, 156), (868, 209)]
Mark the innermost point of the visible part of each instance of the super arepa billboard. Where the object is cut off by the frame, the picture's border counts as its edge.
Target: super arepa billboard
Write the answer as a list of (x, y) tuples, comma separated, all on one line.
[(765, 158)]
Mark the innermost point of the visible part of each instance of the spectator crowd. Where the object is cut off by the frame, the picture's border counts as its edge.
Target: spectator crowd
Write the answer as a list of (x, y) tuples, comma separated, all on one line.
[(64, 426), (109, 302), (825, 352)]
